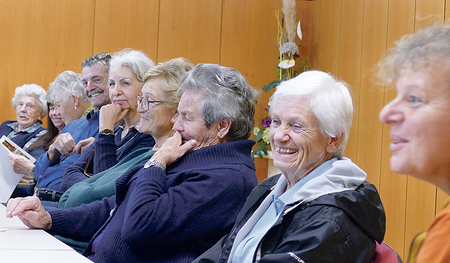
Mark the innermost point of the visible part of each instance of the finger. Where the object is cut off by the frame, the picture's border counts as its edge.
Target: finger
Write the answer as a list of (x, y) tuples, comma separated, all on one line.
[(17, 206), (188, 146), (123, 113)]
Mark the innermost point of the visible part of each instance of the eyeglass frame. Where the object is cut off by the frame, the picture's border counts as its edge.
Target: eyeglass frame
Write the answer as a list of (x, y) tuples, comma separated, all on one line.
[(140, 99)]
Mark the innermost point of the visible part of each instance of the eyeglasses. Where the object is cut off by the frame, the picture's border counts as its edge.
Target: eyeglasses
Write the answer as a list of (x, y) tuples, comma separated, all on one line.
[(101, 57), (143, 102)]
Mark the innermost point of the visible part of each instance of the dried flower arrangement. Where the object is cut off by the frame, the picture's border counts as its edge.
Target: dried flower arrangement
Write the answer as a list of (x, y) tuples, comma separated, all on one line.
[(288, 29)]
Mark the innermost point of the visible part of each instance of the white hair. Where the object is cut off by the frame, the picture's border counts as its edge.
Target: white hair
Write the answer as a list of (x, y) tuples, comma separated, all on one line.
[(330, 101), (35, 91)]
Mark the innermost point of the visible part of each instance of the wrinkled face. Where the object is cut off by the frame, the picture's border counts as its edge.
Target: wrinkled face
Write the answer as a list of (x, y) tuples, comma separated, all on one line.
[(189, 121), (297, 144), (419, 119), (27, 111), (55, 115), (156, 121), (123, 88), (95, 80)]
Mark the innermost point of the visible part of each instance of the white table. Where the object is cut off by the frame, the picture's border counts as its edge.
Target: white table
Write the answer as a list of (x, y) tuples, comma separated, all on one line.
[(18, 243)]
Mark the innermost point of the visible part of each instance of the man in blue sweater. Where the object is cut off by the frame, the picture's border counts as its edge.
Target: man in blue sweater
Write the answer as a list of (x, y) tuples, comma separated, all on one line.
[(186, 196), (50, 167)]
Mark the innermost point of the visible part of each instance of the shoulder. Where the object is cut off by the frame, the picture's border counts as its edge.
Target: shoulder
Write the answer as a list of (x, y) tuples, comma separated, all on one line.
[(73, 124)]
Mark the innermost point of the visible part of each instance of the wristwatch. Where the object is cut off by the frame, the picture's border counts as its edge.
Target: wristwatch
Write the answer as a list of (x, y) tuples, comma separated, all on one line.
[(154, 163), (106, 132)]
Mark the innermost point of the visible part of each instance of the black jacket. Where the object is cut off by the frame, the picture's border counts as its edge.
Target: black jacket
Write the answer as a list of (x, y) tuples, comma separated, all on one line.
[(335, 227)]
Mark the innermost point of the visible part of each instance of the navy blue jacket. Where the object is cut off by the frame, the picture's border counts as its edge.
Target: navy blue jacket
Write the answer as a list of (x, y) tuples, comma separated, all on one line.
[(171, 216)]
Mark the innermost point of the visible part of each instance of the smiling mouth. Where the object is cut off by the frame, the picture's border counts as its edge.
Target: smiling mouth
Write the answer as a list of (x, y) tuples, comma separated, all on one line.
[(285, 150), (94, 93)]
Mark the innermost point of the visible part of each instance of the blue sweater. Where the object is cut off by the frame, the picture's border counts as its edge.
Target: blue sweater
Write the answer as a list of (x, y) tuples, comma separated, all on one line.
[(106, 151), (170, 216), (49, 174)]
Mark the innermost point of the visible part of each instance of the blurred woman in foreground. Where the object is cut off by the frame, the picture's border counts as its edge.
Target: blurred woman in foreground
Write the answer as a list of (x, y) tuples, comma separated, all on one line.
[(419, 66)]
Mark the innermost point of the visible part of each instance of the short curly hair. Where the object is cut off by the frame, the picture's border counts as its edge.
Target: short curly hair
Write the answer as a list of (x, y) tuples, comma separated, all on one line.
[(35, 91)]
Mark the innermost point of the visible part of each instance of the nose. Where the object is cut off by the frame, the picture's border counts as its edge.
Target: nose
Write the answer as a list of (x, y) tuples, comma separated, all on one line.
[(176, 122), (279, 134), (139, 108), (21, 108), (391, 113)]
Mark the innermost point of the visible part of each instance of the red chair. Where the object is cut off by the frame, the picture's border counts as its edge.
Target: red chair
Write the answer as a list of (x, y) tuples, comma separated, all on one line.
[(386, 254)]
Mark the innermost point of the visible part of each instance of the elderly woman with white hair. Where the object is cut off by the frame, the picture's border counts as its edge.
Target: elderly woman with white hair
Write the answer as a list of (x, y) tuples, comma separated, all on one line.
[(320, 208), (30, 105)]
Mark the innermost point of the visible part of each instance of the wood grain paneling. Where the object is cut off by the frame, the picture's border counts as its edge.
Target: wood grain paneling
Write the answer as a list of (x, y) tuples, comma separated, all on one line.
[(371, 96), (252, 49), (400, 21), (40, 39), (329, 32), (350, 43), (191, 29), (126, 24)]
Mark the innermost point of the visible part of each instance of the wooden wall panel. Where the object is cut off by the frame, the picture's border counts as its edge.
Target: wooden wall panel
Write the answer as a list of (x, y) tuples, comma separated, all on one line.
[(350, 42), (371, 96), (400, 21), (38, 40), (252, 49), (126, 24), (191, 29), (329, 30)]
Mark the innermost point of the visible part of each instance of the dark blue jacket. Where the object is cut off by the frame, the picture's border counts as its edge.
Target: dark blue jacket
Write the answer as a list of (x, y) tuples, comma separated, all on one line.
[(171, 216)]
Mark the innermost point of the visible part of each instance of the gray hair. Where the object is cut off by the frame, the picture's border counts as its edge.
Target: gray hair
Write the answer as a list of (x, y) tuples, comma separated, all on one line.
[(330, 101), (35, 91), (168, 73), (227, 95), (420, 49), (103, 57), (136, 60), (64, 85)]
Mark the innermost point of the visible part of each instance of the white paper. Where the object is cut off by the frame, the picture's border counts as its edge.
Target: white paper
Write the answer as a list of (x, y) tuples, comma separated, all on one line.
[(8, 178), (14, 148)]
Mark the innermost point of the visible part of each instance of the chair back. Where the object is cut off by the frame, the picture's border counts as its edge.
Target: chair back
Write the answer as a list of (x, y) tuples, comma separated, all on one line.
[(386, 254)]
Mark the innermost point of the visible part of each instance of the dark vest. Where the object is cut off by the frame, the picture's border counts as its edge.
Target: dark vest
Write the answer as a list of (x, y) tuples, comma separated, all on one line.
[(22, 138)]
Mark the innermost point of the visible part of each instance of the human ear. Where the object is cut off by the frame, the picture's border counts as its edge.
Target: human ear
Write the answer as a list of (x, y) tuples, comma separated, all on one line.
[(75, 99), (223, 127), (334, 143)]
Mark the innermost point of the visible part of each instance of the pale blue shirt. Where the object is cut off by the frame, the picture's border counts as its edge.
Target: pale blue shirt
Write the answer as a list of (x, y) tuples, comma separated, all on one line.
[(246, 248)]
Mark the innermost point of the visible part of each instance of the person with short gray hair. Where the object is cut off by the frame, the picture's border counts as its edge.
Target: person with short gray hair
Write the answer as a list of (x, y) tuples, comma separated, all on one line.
[(320, 208), (226, 94), (30, 104)]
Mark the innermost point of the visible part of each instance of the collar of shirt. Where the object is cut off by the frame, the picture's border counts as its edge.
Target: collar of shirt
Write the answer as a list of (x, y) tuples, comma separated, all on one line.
[(284, 197), (32, 128), (125, 130)]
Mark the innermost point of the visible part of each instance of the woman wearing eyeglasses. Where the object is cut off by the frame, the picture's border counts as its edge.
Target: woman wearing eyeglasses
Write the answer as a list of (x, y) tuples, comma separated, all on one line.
[(114, 142)]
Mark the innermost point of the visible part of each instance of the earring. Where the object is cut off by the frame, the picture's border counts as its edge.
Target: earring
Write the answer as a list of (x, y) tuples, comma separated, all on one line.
[(76, 107)]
